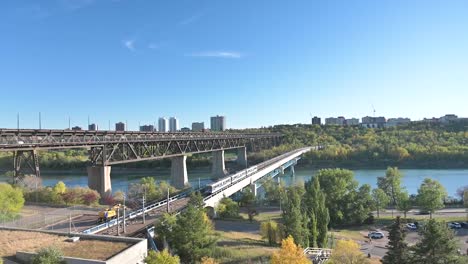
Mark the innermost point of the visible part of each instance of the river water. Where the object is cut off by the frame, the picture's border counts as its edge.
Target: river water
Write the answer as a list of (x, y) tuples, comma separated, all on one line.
[(121, 179)]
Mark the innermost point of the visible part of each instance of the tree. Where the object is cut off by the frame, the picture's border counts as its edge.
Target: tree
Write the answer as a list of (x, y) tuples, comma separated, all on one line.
[(436, 246), (164, 228), (270, 231), (431, 195), (60, 188), (404, 203), (11, 201), (196, 199), (289, 253), (49, 255), (391, 183), (336, 184), (347, 252), (295, 219), (381, 200), (248, 200), (161, 257), (193, 235), (397, 248), (317, 213), (227, 208)]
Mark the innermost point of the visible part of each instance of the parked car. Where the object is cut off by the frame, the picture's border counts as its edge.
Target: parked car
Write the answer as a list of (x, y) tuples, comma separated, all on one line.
[(454, 225), (375, 235), (464, 224), (411, 226)]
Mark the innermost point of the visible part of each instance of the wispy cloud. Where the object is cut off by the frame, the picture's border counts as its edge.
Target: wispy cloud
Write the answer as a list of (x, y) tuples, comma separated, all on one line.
[(191, 19), (129, 44), (153, 46), (218, 54), (76, 4)]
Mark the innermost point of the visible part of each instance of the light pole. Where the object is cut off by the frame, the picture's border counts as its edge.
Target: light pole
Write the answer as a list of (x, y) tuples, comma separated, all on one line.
[(124, 224)]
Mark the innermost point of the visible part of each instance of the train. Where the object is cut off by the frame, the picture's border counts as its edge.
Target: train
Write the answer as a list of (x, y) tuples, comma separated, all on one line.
[(109, 213), (216, 186)]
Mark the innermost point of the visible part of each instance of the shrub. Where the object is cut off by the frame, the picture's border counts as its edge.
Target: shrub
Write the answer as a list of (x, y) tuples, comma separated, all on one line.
[(49, 255)]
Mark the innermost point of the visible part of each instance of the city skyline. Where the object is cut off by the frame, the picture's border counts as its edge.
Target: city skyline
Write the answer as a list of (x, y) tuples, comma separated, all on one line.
[(327, 58)]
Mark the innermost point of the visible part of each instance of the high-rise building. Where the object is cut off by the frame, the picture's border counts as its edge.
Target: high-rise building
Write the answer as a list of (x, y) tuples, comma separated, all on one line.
[(147, 128), (198, 126), (92, 127), (119, 126), (316, 120), (218, 123), (173, 124), (163, 124)]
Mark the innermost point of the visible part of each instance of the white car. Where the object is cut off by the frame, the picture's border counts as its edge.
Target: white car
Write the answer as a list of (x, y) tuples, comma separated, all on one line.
[(411, 226), (454, 225), (375, 235)]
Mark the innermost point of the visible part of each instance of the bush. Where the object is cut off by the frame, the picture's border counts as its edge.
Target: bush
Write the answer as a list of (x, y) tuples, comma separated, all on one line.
[(227, 208), (48, 255), (11, 201)]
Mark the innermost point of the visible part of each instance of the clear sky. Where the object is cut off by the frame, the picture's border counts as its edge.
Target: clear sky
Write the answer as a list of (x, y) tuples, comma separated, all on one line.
[(259, 62)]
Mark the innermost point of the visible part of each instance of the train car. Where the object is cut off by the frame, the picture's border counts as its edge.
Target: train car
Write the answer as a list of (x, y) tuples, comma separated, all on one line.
[(213, 187), (238, 176)]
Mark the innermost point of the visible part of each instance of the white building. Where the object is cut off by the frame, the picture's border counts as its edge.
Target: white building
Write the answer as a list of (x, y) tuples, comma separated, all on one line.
[(393, 122), (173, 124), (163, 124), (336, 121), (352, 122), (218, 123), (373, 122)]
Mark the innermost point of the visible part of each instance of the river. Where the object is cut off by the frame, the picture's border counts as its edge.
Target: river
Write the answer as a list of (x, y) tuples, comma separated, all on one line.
[(121, 179)]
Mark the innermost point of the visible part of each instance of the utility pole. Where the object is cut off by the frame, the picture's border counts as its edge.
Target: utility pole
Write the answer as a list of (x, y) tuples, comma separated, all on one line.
[(118, 221), (144, 197), (168, 200), (69, 123), (17, 121), (199, 185), (40, 121), (124, 227)]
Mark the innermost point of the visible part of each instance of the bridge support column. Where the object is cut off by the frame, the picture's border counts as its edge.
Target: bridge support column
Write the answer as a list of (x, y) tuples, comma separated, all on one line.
[(99, 179), (218, 168), (242, 156), (253, 188), (179, 178)]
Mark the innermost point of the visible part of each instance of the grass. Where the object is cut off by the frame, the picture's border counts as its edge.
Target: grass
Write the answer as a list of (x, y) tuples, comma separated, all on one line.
[(13, 241)]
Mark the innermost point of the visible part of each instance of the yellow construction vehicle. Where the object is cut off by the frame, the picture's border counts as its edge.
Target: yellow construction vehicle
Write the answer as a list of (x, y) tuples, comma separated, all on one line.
[(107, 215)]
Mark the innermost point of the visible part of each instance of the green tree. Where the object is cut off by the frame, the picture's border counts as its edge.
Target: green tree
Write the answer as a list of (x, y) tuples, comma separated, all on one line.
[(248, 201), (436, 246), (391, 183), (11, 201), (404, 203), (270, 231), (431, 196), (193, 235), (60, 188), (164, 229), (317, 213), (380, 199), (398, 251), (161, 257), (227, 208), (49, 255), (196, 199), (295, 219), (337, 185)]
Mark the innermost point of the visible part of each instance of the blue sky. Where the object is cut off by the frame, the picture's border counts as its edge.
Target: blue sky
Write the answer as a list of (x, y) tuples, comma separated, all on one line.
[(257, 62)]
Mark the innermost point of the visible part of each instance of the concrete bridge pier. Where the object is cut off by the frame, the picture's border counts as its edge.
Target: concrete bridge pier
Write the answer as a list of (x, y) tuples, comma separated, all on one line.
[(218, 169), (253, 188), (179, 177), (99, 179), (242, 156)]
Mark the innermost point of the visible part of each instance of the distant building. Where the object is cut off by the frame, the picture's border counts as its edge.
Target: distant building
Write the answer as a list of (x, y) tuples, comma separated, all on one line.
[(173, 124), (431, 120), (352, 122), (198, 126), (218, 123), (92, 127), (393, 122), (163, 124), (316, 120), (185, 129), (147, 128), (373, 122), (76, 128), (448, 118), (335, 121), (119, 126)]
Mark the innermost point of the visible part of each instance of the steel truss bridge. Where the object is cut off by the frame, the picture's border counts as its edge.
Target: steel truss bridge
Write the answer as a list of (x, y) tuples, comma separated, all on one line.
[(115, 147)]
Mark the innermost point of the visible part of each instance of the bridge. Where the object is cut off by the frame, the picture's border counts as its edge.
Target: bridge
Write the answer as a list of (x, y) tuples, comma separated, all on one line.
[(107, 148), (270, 168)]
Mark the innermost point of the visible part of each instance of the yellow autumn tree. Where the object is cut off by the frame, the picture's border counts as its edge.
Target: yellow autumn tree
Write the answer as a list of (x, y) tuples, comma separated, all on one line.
[(208, 260), (290, 253), (347, 252)]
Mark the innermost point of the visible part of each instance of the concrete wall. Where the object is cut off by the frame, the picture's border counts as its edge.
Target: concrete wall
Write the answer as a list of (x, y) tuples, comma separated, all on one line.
[(179, 177), (99, 179)]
